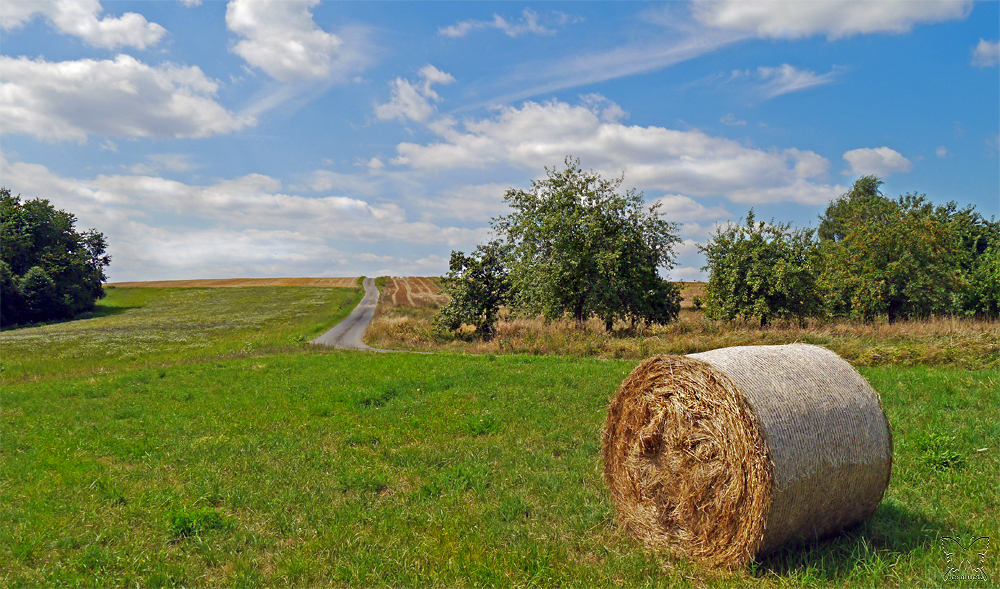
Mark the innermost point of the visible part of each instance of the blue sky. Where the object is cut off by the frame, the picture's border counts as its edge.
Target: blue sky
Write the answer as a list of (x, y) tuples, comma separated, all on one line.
[(251, 138)]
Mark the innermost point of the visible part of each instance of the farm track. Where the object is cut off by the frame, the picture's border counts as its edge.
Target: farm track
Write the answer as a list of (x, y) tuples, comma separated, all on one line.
[(348, 334)]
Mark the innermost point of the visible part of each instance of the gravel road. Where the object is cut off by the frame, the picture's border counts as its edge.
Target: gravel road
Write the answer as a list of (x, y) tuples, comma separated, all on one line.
[(348, 333)]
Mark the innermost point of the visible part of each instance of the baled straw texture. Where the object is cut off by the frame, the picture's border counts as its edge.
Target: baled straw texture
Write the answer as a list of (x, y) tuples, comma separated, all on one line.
[(725, 455)]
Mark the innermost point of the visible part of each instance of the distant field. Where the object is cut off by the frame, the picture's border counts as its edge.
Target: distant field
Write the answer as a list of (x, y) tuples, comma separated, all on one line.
[(388, 470), (140, 327), (413, 291), (340, 282)]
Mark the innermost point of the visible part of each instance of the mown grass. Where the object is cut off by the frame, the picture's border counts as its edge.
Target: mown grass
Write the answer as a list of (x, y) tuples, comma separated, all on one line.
[(138, 327), (941, 341), (360, 469)]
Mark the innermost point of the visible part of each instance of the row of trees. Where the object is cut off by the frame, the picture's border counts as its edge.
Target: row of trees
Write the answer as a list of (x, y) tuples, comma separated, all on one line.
[(48, 270), (870, 257), (573, 245)]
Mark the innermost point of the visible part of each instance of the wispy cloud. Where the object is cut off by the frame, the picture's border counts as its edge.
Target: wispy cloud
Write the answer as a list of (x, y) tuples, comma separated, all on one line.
[(528, 23), (544, 77), (772, 82)]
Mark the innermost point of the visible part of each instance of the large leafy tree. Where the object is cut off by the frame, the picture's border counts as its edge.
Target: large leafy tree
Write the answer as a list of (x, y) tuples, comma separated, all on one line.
[(581, 247), (575, 245), (761, 271), (896, 258), (50, 270)]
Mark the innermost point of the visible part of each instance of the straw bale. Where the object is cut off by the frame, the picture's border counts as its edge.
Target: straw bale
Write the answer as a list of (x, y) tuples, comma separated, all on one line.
[(725, 455)]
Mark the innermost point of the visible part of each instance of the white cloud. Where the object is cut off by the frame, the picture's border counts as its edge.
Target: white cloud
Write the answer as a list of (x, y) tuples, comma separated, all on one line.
[(190, 3), (154, 164), (79, 18), (470, 202), (986, 53), (942, 151), (239, 223), (70, 100), (410, 101), (654, 158), (881, 161), (281, 38), (730, 119), (676, 207), (781, 19), (787, 79), (527, 24)]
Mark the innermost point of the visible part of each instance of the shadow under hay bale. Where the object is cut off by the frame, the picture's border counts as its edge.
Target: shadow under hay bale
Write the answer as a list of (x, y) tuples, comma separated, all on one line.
[(726, 455)]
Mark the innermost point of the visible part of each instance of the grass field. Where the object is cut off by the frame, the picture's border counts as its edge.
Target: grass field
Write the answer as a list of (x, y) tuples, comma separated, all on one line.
[(136, 327), (291, 465)]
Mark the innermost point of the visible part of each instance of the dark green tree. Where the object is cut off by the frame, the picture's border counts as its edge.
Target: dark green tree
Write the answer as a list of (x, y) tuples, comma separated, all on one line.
[(40, 299), (34, 234), (11, 304), (580, 247), (478, 285), (761, 271)]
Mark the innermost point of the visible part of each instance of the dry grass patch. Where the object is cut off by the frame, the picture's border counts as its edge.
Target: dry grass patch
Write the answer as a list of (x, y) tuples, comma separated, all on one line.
[(405, 323)]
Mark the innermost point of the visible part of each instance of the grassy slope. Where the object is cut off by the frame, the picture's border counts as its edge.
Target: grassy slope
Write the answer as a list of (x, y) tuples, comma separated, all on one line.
[(137, 327), (363, 469)]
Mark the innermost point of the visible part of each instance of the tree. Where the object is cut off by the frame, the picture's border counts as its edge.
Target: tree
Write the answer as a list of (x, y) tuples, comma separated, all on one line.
[(894, 258), (478, 285), (34, 234), (983, 294), (761, 271), (863, 197), (579, 247), (572, 245)]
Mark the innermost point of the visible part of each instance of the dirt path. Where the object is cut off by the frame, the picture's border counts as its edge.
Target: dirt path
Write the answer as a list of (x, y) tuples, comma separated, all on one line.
[(347, 334)]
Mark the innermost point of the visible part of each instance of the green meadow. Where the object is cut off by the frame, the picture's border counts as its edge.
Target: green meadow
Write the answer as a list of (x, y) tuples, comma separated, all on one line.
[(204, 462)]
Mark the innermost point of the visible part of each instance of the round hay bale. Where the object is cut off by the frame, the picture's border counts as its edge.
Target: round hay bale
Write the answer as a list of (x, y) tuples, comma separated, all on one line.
[(725, 455)]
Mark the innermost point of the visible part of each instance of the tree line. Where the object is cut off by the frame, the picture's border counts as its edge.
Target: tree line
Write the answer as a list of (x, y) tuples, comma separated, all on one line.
[(48, 270), (576, 246), (871, 256)]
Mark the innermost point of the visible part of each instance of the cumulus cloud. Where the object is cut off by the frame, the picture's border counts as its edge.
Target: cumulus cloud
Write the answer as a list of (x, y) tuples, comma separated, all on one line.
[(123, 97), (684, 162), (780, 19), (881, 161), (527, 24), (986, 53), (676, 207), (281, 38), (251, 214), (469, 202), (79, 18), (413, 101)]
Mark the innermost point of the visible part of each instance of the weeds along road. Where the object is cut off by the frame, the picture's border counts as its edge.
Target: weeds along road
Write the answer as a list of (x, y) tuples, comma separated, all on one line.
[(347, 334)]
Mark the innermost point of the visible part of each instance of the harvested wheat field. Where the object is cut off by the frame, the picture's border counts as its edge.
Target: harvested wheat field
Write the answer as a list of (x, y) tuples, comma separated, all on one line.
[(726, 455), (336, 281), (413, 291)]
